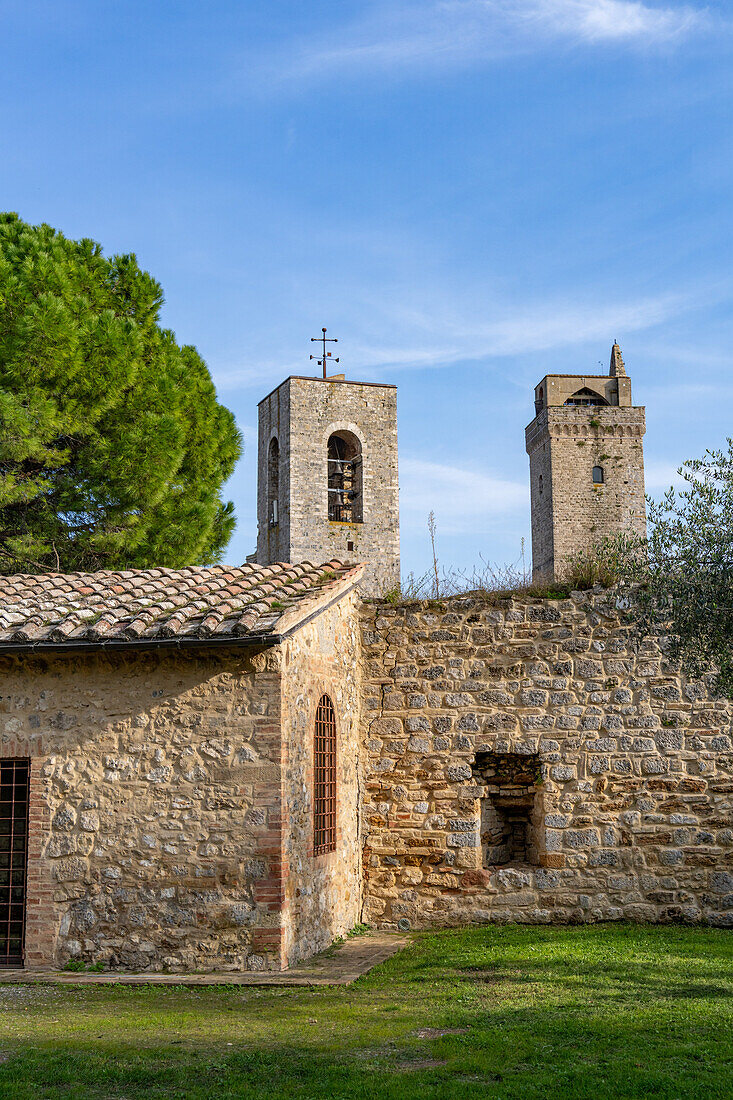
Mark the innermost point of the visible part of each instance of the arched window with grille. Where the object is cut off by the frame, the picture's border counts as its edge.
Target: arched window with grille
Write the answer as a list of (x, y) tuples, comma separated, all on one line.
[(598, 475), (345, 478), (324, 778), (273, 483)]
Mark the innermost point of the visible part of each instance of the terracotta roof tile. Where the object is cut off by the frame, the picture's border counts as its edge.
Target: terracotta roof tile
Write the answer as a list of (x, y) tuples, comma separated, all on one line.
[(146, 605)]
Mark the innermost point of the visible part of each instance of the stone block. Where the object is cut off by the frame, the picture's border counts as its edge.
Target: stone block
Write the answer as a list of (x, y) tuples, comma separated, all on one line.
[(463, 840), (581, 838)]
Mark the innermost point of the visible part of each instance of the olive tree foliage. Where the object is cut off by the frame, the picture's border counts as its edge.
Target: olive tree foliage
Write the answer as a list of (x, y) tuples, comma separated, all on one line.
[(677, 584), (113, 446), (686, 573)]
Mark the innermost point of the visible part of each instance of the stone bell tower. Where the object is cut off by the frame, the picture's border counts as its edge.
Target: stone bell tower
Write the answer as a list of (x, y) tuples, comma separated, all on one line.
[(327, 476), (586, 464)]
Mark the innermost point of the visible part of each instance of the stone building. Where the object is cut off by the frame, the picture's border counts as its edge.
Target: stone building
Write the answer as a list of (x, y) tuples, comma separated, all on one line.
[(162, 801), (225, 768), (586, 464), (327, 476)]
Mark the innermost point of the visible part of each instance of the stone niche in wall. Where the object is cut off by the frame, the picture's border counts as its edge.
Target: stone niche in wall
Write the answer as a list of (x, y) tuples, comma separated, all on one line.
[(511, 807)]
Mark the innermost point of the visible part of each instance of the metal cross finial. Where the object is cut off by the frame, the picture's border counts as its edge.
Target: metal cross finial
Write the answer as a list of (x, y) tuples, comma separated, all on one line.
[(326, 354)]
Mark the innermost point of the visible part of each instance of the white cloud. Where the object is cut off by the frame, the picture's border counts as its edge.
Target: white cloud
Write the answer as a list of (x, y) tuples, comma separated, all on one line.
[(234, 374), (449, 328), (604, 20), (446, 333), (444, 33), (462, 499)]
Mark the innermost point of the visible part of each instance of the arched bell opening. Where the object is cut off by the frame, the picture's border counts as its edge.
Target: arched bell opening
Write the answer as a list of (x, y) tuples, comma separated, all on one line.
[(345, 496)]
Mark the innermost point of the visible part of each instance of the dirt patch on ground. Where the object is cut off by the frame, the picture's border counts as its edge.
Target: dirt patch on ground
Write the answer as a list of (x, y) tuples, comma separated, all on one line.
[(419, 1063), (21, 996), (439, 1032)]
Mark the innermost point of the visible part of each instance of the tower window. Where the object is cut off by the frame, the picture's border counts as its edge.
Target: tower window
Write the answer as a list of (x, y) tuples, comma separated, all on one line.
[(598, 475), (273, 482), (324, 778), (585, 396), (540, 484), (345, 478)]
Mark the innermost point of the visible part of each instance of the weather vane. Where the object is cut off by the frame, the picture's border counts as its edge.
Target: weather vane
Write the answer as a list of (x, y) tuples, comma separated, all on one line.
[(325, 354)]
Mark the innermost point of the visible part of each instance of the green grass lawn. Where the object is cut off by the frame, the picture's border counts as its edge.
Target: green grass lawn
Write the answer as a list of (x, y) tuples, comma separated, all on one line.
[(595, 1012)]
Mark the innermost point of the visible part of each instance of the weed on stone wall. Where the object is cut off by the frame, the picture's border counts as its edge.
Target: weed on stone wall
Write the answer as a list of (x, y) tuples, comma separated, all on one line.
[(488, 582)]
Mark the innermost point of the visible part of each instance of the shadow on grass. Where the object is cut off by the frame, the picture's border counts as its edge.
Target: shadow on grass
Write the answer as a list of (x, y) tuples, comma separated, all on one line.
[(508, 1052), (609, 1013)]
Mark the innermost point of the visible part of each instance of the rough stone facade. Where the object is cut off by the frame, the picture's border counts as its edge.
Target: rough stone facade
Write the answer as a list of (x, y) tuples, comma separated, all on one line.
[(147, 771), (526, 763), (301, 415), (565, 442), (322, 895)]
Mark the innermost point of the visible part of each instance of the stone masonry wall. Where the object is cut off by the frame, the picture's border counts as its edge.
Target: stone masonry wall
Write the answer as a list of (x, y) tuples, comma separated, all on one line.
[(571, 512), (273, 541), (303, 413), (154, 804), (631, 811), (323, 893), (540, 488)]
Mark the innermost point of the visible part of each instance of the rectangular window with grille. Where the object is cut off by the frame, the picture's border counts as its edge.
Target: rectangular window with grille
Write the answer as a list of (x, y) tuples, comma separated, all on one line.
[(14, 780), (324, 779)]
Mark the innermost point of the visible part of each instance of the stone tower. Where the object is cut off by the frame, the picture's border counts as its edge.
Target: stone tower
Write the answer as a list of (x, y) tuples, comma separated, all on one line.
[(586, 464), (327, 476)]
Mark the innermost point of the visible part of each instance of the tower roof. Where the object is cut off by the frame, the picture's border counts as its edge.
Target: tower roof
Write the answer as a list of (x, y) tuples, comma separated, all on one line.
[(617, 369)]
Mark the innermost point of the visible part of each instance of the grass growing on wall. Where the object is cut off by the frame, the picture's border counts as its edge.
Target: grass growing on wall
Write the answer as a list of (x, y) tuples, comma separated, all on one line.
[(590, 1013)]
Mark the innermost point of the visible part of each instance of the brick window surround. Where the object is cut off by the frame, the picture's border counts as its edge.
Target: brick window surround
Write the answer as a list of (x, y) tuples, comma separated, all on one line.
[(42, 918)]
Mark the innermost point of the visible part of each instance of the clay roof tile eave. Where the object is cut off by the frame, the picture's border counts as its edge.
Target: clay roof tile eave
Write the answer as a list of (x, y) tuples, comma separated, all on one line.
[(161, 606)]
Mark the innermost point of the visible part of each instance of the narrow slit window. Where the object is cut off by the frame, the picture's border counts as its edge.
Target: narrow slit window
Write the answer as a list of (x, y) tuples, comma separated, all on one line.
[(598, 475), (345, 479), (273, 483), (324, 778), (541, 486)]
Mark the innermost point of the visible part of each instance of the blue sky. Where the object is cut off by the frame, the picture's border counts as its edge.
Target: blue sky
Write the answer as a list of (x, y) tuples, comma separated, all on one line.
[(469, 194)]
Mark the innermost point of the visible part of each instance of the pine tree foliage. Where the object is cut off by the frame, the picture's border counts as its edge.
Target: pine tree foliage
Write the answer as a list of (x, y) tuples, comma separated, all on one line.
[(113, 447)]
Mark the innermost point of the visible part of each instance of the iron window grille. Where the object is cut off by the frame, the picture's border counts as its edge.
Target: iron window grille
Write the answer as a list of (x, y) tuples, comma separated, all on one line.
[(324, 778), (14, 787)]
